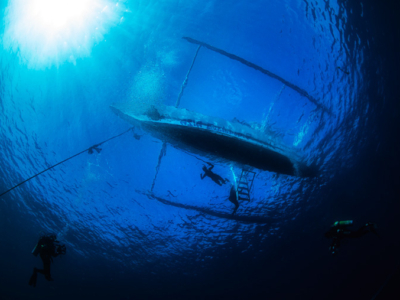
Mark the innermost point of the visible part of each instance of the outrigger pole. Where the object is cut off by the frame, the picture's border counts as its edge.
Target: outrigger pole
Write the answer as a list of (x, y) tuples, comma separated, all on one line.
[(262, 70), (245, 62), (163, 150)]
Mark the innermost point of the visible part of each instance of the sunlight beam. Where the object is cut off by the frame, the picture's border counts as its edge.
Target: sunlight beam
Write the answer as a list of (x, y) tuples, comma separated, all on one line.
[(50, 32)]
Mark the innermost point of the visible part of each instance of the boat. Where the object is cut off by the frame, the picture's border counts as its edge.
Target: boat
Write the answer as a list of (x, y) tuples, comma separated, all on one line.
[(223, 140)]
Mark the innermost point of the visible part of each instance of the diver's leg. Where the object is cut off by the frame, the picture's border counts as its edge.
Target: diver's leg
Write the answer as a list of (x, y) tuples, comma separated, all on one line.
[(48, 277), (216, 178), (334, 246), (236, 206), (216, 181), (46, 271), (234, 211), (363, 230), (33, 279), (220, 179), (372, 227)]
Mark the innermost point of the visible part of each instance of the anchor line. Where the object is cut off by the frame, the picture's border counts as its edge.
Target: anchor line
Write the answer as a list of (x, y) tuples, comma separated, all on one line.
[(59, 163)]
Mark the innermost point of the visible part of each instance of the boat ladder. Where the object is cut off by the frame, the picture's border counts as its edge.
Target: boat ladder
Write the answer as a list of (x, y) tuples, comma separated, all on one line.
[(245, 184)]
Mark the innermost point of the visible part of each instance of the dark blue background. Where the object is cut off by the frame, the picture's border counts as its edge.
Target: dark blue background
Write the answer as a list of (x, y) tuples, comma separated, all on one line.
[(123, 245)]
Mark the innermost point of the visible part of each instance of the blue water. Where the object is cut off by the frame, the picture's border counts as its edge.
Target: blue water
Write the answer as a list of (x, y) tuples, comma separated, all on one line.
[(181, 243)]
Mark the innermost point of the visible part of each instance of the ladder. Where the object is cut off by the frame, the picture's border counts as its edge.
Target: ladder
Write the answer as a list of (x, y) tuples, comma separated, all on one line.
[(245, 184)]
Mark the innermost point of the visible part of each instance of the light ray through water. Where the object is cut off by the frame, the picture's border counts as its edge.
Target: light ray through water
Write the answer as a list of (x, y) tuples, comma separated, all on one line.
[(49, 32)]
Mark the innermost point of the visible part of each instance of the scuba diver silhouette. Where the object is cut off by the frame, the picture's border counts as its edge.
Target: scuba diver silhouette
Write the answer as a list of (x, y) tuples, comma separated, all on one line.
[(215, 177), (233, 198), (47, 247), (339, 231), (95, 147)]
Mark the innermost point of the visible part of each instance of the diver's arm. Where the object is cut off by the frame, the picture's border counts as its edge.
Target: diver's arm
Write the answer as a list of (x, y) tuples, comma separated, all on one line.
[(60, 249), (212, 166), (202, 176)]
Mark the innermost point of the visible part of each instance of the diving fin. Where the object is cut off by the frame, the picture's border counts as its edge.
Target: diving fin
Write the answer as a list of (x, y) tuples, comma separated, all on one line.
[(372, 227), (33, 279)]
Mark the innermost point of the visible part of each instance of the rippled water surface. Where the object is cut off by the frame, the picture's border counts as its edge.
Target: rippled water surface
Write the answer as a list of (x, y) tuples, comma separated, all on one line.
[(136, 218)]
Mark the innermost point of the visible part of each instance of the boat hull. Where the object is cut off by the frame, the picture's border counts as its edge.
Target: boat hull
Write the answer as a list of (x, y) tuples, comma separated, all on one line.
[(210, 136)]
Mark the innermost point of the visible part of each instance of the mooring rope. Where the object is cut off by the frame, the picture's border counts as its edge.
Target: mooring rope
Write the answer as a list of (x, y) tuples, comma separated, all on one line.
[(90, 150)]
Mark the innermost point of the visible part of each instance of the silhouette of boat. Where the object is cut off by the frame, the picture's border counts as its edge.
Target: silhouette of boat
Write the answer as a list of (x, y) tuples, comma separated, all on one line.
[(212, 136)]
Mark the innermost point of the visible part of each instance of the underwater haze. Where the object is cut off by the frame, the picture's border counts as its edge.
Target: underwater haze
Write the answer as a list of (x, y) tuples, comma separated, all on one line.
[(137, 219)]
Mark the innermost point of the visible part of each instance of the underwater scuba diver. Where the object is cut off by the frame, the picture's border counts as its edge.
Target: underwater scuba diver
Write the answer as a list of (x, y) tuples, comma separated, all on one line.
[(339, 231), (215, 177), (95, 147), (233, 198), (47, 247)]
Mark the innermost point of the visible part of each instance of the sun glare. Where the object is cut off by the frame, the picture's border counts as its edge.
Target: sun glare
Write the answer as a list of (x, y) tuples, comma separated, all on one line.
[(56, 14), (50, 32)]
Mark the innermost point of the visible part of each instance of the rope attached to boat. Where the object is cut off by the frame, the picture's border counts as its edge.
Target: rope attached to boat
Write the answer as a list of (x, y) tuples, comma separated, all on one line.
[(89, 150)]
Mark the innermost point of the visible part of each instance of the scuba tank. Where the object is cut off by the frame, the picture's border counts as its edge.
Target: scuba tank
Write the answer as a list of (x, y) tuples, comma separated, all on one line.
[(342, 223), (44, 242), (36, 250)]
